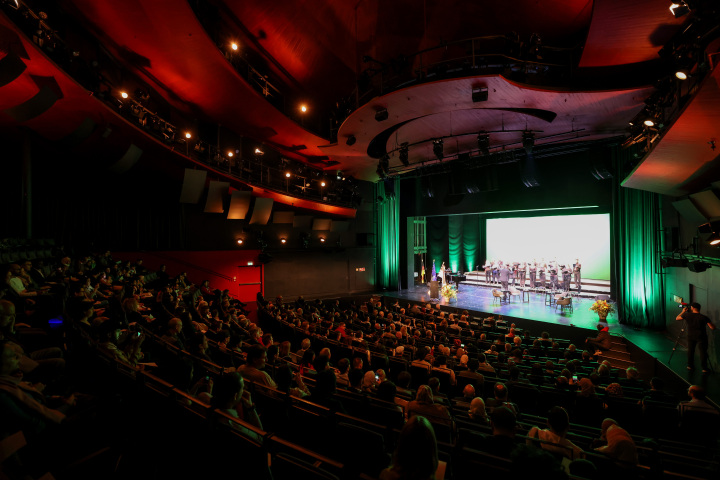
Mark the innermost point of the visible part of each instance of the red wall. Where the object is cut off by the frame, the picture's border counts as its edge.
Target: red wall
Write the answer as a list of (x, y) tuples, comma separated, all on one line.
[(208, 265)]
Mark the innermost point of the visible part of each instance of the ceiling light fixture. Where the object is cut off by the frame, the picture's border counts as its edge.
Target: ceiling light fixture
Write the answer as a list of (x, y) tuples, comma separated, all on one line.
[(404, 154), (188, 135), (483, 140), (679, 9), (234, 46), (438, 148), (230, 154), (303, 108), (283, 241), (682, 74), (648, 123), (350, 140), (381, 115), (714, 239), (287, 174), (239, 241), (124, 94)]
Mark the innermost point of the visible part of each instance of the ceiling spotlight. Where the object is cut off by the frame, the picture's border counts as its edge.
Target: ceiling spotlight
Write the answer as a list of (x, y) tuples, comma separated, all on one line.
[(124, 94), (303, 108), (528, 141), (479, 94), (188, 135), (714, 239), (381, 115), (259, 152), (350, 140), (322, 184), (339, 175), (239, 241), (483, 140), (438, 148), (234, 46), (287, 174), (230, 153), (283, 241), (649, 123), (322, 239), (403, 154), (679, 9), (682, 74)]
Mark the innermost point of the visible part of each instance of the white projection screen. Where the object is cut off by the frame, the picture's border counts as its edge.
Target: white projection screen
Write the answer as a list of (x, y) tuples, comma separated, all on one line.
[(563, 238)]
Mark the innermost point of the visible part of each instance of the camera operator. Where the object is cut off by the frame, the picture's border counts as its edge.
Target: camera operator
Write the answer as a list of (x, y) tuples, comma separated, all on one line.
[(696, 334)]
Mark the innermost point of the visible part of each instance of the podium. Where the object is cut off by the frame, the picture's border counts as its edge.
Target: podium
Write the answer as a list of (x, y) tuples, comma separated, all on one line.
[(434, 289)]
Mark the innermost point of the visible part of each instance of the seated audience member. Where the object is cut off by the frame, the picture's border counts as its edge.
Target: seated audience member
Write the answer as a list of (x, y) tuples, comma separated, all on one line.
[(341, 374), (324, 392), (620, 447), (173, 334), (442, 367), (503, 424), (468, 394), (252, 370), (558, 423), (287, 381), (369, 381), (425, 405), (231, 397), (477, 411), (657, 392), (441, 398), (22, 405), (500, 399), (403, 384), (421, 360), (356, 377), (415, 455), (697, 402), (308, 360), (123, 346), (304, 345), (484, 366)]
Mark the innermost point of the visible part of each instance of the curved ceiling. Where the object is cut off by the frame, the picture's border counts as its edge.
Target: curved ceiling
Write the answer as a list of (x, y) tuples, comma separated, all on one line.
[(317, 48)]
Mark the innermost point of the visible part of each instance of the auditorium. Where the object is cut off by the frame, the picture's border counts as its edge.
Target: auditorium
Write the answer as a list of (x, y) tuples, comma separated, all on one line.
[(360, 240)]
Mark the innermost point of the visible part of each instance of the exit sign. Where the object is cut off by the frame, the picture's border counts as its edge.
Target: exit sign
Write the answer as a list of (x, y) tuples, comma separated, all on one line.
[(360, 269)]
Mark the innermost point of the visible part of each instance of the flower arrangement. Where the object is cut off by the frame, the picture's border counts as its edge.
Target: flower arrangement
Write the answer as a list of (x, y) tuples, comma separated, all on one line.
[(448, 291), (602, 307)]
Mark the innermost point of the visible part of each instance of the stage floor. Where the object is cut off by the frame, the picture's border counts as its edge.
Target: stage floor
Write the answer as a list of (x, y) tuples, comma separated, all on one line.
[(657, 344)]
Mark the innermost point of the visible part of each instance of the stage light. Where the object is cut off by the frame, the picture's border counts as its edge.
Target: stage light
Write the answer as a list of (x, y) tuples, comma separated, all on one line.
[(381, 115), (239, 241), (234, 46), (287, 174), (322, 239), (528, 141), (230, 154), (303, 108), (339, 175), (259, 152), (124, 94), (283, 241), (322, 184), (679, 9), (714, 239), (383, 166), (188, 135), (682, 74), (483, 140), (350, 140), (403, 154), (648, 123), (438, 148)]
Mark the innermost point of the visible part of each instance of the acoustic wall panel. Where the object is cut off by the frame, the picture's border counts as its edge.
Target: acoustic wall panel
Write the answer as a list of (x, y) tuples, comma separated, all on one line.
[(321, 224), (239, 205), (216, 196), (689, 211), (193, 185), (302, 222), (11, 67), (283, 217), (34, 107), (261, 211), (339, 226), (707, 203), (126, 162)]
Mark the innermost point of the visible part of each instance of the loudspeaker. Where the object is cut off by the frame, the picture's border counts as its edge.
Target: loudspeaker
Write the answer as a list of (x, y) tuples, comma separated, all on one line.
[(216, 195), (193, 185)]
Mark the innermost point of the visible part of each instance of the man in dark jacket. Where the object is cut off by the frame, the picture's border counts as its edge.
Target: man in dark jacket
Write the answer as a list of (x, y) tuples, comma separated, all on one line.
[(602, 341)]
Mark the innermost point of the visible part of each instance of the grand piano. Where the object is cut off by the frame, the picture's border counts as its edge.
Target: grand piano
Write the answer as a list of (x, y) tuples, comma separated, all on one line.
[(455, 277)]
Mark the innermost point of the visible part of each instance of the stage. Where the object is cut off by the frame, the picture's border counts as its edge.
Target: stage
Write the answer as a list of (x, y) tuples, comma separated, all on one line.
[(651, 350)]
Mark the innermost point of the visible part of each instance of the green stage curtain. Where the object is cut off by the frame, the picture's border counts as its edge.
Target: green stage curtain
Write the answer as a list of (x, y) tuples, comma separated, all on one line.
[(388, 213), (639, 285), (471, 242), (455, 241), (437, 240)]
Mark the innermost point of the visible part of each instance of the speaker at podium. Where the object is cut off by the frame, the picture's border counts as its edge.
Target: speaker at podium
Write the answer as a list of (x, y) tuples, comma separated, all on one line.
[(434, 289)]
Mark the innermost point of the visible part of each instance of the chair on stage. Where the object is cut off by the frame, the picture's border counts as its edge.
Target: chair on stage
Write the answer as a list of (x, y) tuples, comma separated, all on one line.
[(514, 292), (565, 303), (497, 296)]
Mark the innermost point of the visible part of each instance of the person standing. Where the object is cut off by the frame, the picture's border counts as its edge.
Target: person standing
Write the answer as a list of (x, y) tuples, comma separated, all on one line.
[(696, 334), (533, 273), (504, 277), (566, 277), (488, 270), (522, 272), (576, 271), (442, 274)]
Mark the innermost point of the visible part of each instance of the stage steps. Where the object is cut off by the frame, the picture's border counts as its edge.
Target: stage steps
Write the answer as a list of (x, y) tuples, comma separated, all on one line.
[(618, 355)]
